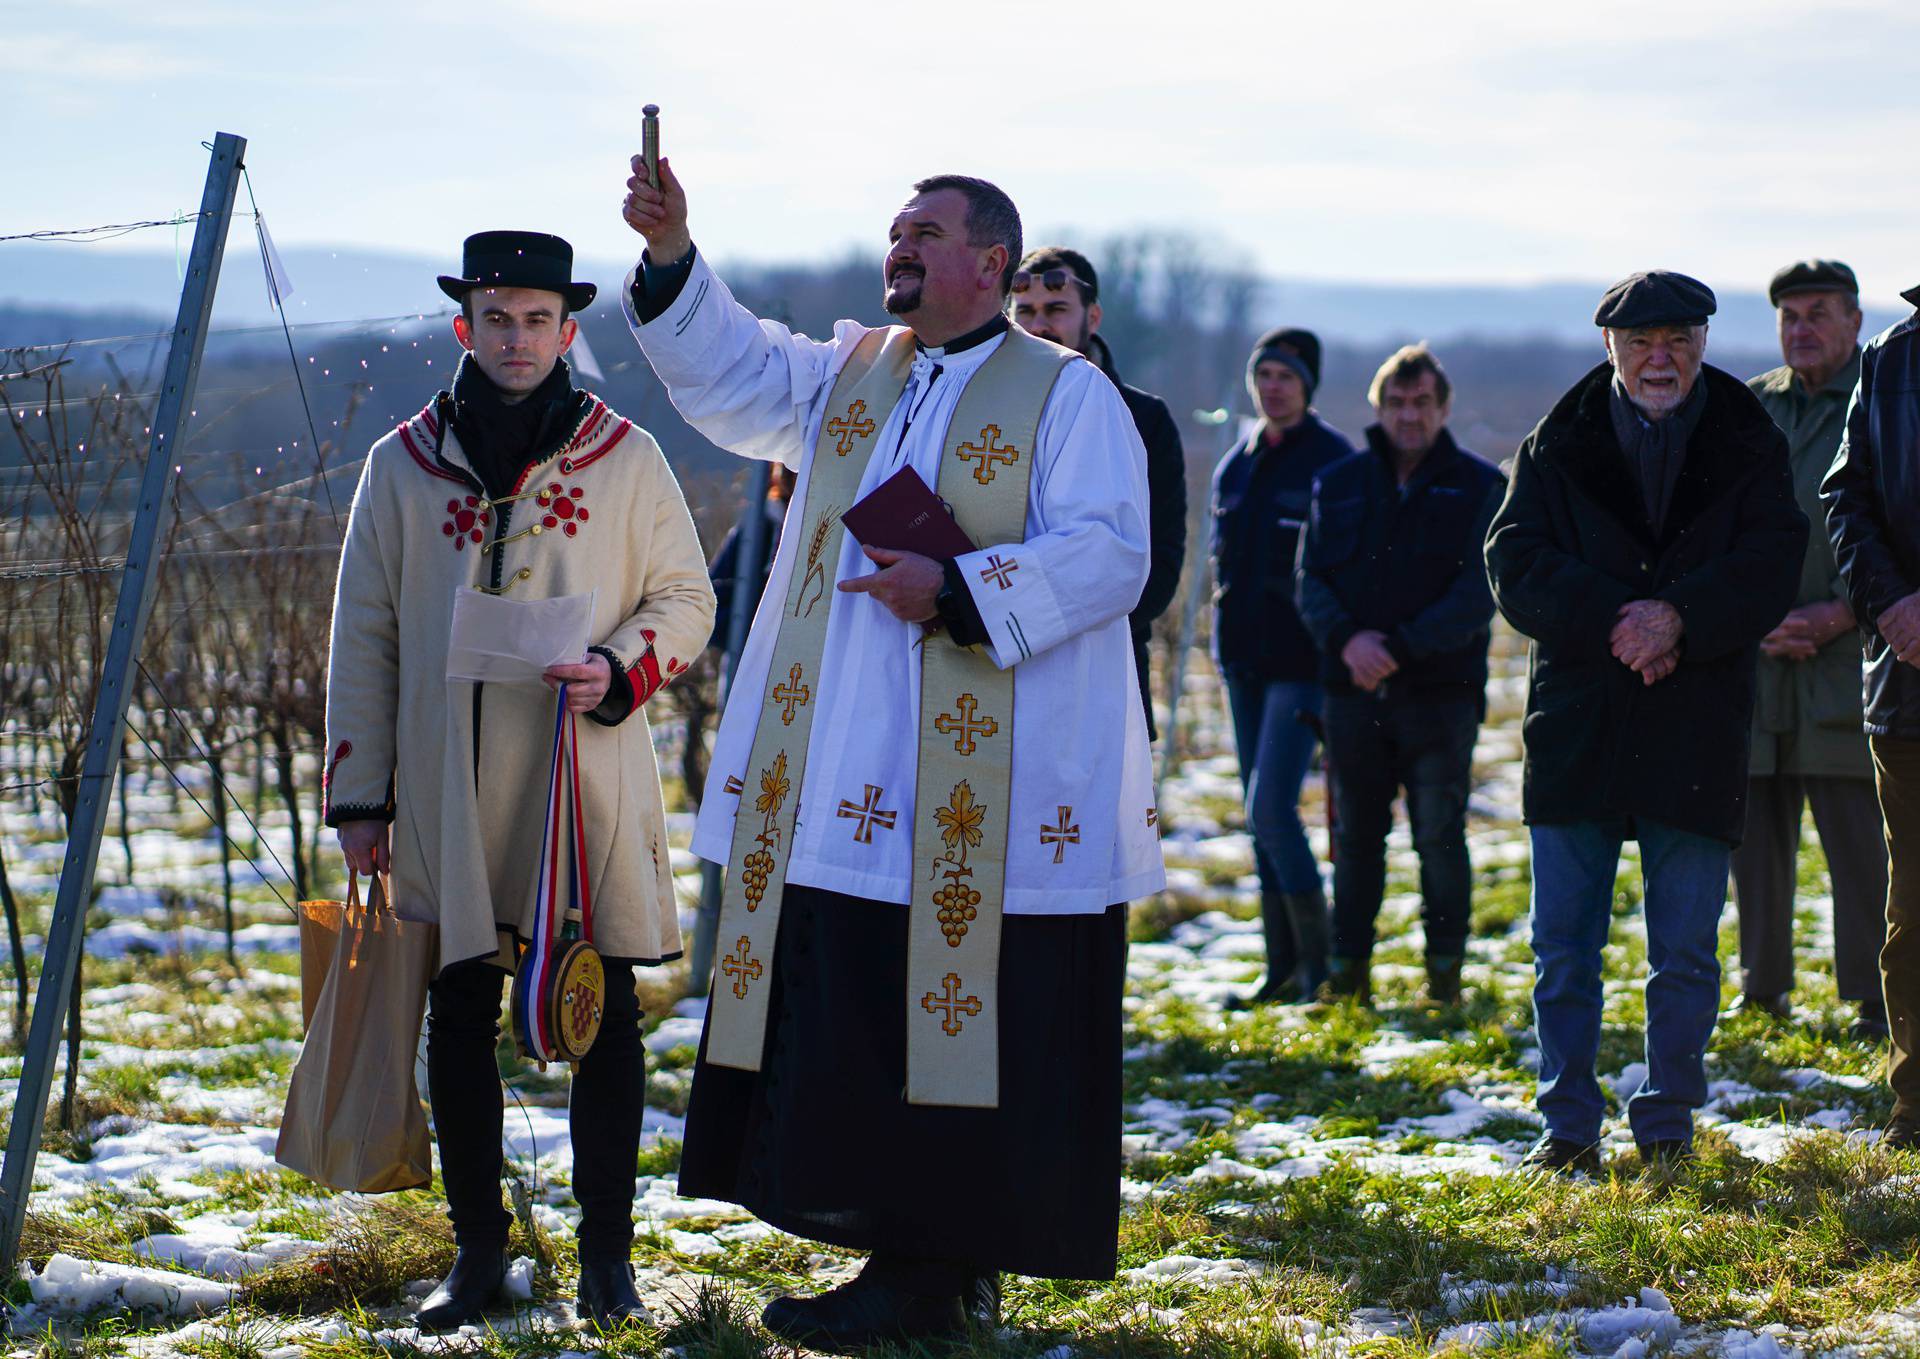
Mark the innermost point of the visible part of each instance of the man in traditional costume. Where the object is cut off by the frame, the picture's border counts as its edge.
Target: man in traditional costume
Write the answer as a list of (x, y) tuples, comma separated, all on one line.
[(519, 484), (932, 788)]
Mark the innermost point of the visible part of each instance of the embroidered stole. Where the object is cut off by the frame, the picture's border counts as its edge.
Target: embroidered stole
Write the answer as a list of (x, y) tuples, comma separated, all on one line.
[(965, 738)]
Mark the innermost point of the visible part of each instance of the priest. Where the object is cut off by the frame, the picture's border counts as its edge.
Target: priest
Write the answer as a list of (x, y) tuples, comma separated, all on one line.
[(931, 787)]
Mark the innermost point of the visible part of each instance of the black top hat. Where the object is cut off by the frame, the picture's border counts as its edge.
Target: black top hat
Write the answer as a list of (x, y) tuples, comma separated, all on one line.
[(518, 259)]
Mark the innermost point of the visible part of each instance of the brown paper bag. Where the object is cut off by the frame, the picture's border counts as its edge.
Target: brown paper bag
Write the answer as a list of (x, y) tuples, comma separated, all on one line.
[(353, 1118)]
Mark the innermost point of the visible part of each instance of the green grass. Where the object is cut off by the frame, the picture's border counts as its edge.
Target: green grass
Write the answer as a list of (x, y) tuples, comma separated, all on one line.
[(1821, 1240)]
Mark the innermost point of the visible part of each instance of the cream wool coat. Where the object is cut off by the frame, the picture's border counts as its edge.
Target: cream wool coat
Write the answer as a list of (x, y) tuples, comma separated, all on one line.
[(401, 744)]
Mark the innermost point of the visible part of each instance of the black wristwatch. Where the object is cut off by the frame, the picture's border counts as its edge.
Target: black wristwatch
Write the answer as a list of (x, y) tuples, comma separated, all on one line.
[(954, 606)]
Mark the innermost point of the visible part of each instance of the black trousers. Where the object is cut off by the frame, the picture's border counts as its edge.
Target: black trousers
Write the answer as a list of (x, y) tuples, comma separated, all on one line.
[(1377, 747), (821, 1142), (1896, 772), (604, 1113), (1765, 870)]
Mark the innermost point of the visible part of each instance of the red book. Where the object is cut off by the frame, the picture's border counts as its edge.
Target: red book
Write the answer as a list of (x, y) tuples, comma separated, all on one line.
[(902, 515)]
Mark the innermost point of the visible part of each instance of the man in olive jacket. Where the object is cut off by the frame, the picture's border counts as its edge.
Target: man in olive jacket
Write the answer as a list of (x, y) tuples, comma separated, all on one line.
[(1648, 541), (1808, 748)]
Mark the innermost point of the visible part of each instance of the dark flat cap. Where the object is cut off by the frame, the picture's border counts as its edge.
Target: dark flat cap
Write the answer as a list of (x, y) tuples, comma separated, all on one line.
[(1657, 297), (1812, 276)]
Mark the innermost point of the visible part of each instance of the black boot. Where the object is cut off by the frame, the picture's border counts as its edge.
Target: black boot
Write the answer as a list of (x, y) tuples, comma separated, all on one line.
[(1307, 914), (1276, 926), (980, 1300), (1349, 979), (1443, 981), (472, 1283), (861, 1314), (607, 1296)]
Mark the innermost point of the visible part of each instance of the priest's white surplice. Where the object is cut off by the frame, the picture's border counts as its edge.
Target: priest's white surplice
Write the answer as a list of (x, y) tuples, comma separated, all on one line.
[(1083, 826)]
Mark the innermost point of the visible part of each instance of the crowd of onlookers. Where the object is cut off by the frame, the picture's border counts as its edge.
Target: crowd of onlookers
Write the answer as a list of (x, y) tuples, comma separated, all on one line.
[(1696, 676)]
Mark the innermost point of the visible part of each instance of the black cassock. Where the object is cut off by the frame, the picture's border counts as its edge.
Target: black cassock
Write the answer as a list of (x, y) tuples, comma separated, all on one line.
[(821, 1141)]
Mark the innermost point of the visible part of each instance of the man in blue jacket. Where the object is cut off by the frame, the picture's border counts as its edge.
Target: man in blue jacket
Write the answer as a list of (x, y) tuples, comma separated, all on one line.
[(1392, 587), (1266, 657)]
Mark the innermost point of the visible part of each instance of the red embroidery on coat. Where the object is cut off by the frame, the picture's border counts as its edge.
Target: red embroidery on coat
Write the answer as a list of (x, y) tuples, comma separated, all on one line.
[(464, 521), (563, 508), (645, 674), (340, 752), (426, 464), (619, 433)]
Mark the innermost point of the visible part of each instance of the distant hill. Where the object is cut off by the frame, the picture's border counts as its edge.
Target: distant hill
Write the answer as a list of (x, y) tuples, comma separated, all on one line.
[(335, 285), (1510, 351)]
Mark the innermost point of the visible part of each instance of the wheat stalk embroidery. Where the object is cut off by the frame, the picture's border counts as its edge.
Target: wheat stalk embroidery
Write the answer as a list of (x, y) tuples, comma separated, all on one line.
[(816, 576)]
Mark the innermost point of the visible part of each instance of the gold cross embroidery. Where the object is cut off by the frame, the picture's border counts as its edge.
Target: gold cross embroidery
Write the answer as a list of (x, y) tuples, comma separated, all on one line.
[(849, 427), (742, 969), (868, 816), (791, 695), (953, 1003), (1000, 572), (965, 727), (1061, 835), (988, 451)]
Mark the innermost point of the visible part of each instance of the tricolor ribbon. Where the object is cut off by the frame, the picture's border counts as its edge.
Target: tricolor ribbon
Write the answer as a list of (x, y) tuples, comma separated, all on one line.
[(564, 837)]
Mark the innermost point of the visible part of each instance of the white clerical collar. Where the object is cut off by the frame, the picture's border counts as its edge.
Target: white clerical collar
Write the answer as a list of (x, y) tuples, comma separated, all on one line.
[(975, 344)]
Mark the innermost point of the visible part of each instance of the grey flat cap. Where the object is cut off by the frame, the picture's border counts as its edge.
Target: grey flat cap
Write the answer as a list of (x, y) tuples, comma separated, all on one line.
[(1657, 297), (1812, 276)]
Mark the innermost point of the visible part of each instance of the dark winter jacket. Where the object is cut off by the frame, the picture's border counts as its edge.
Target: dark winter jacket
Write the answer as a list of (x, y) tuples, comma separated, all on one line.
[(1167, 511), (1872, 498), (1571, 544), (723, 570), (1405, 561), (1260, 499)]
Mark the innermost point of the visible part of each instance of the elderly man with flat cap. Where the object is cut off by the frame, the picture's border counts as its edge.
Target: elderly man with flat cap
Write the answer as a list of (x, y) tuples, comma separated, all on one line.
[(1808, 745), (1648, 541), (517, 484)]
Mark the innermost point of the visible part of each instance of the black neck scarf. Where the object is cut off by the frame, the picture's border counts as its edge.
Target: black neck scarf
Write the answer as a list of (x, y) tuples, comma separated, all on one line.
[(1656, 449), (502, 440)]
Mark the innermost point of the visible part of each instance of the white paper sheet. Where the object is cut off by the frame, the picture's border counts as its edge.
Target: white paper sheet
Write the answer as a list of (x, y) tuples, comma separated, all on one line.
[(497, 640)]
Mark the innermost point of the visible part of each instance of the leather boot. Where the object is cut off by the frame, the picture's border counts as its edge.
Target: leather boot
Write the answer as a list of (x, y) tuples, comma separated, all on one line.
[(472, 1283), (980, 1300), (861, 1314), (1276, 927), (1443, 981), (607, 1296), (1307, 913), (1349, 979)]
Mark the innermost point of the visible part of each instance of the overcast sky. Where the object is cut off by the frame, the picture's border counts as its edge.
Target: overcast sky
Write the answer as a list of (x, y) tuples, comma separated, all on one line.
[(1364, 140)]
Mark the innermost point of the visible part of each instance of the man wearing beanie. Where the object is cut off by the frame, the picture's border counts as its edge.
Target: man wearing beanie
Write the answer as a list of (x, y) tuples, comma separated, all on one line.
[(1648, 541), (1261, 493), (514, 483)]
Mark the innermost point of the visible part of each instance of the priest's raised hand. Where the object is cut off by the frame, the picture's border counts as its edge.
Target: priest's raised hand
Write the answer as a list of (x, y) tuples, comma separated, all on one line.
[(659, 214)]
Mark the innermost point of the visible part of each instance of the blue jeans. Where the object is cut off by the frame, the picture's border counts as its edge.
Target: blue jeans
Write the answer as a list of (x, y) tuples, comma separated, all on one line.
[(1275, 748), (1685, 878)]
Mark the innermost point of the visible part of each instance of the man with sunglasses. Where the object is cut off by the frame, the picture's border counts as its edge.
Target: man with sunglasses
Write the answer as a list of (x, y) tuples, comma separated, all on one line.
[(1056, 295)]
